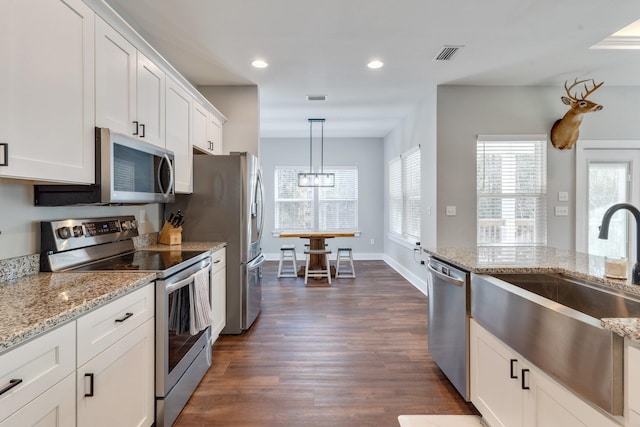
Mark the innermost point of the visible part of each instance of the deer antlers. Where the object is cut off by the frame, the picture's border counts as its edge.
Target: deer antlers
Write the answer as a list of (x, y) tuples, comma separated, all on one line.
[(588, 91), (564, 132)]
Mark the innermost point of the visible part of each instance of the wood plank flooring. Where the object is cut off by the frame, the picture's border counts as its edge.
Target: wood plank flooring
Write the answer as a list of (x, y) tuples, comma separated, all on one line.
[(353, 354)]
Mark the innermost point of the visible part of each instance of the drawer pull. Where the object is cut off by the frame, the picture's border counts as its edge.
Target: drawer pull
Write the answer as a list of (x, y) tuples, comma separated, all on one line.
[(216, 261), (137, 127), (513, 374), (524, 381), (126, 316), (90, 394), (5, 148), (142, 126), (12, 384)]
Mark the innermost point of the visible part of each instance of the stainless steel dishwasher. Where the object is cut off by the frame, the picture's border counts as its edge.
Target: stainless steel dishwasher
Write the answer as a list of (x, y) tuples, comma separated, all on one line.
[(449, 308)]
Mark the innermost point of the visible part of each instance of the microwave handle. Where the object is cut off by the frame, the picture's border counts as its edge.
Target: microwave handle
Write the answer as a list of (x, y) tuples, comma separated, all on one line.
[(171, 177)]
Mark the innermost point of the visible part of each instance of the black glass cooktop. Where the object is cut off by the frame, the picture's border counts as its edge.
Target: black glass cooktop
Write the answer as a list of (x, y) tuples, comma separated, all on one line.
[(142, 261)]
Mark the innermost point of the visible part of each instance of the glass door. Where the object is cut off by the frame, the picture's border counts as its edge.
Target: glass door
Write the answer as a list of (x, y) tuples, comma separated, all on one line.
[(606, 171)]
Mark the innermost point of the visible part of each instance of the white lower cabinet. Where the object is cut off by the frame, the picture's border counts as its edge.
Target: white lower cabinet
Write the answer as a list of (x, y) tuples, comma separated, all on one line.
[(511, 392), (632, 384), (115, 376), (218, 292), (116, 387), (55, 407)]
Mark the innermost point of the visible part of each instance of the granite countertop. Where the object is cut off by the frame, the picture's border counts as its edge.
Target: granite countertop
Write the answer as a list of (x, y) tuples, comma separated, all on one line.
[(31, 304), (496, 260)]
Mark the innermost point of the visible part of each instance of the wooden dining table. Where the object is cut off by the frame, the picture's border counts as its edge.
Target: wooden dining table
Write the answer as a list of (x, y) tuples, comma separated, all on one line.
[(316, 241)]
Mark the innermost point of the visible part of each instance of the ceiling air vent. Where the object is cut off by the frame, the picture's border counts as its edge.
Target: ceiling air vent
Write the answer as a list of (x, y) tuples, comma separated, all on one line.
[(447, 53), (316, 97)]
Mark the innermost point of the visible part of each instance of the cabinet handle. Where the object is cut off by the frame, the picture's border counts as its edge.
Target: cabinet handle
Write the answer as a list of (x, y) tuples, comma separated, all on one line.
[(126, 316), (5, 148), (137, 126), (142, 126), (12, 384), (524, 382), (512, 374), (90, 394), (216, 261)]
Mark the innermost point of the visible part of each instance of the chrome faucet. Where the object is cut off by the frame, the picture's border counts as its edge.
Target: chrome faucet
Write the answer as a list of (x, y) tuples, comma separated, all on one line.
[(604, 234)]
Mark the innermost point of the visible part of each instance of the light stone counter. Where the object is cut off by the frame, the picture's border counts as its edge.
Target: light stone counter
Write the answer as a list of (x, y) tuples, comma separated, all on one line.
[(31, 305), (496, 260)]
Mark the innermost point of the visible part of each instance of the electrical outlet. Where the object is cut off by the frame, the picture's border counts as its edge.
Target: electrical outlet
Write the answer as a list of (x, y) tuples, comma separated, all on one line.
[(143, 217), (563, 196), (562, 210), (372, 242), (451, 211)]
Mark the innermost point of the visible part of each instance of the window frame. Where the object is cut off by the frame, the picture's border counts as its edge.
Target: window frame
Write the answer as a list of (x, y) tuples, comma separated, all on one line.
[(513, 224), (316, 200)]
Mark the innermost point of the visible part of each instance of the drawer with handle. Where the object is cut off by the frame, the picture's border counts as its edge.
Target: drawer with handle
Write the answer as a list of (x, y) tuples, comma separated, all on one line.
[(104, 326), (218, 260), (37, 365)]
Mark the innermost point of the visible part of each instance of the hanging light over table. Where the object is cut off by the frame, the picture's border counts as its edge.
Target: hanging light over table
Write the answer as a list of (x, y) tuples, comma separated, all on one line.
[(316, 179)]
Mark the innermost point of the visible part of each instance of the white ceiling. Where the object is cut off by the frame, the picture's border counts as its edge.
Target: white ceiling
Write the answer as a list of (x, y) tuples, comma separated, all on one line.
[(322, 47)]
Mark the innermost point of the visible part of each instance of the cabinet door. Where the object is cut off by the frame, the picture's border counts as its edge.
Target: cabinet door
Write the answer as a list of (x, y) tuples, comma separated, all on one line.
[(178, 134), (150, 102), (215, 134), (548, 404), (219, 302), (116, 63), (55, 407), (199, 128), (47, 90), (116, 388), (496, 395)]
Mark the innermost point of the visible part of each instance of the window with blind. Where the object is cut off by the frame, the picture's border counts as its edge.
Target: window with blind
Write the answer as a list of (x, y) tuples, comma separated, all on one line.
[(512, 190), (404, 195), (316, 208)]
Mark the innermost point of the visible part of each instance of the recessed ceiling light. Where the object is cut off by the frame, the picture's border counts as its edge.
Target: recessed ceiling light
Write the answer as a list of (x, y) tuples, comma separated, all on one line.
[(375, 64), (259, 63)]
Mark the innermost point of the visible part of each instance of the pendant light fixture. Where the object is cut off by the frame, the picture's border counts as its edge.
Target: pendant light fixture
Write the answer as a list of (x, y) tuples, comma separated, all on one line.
[(316, 179)]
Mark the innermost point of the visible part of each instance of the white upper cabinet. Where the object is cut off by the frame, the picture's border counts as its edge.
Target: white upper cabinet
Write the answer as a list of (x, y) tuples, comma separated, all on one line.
[(207, 130), (178, 134), (130, 89), (150, 102), (47, 90), (116, 65)]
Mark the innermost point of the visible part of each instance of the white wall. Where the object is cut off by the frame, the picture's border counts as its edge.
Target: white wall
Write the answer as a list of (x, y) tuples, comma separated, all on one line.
[(466, 111), (20, 219), (446, 124), (418, 128), (365, 153), (241, 106)]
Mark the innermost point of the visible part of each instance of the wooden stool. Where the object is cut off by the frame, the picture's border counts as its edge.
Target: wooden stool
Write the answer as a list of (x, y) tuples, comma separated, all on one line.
[(319, 272), (287, 252), (344, 255)]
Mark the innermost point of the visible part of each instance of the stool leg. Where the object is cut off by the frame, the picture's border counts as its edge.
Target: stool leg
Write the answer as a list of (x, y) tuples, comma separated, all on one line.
[(353, 269), (338, 264), (326, 257), (280, 264), (306, 270)]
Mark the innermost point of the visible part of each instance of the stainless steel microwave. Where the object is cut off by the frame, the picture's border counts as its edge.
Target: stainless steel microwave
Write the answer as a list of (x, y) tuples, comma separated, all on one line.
[(128, 171)]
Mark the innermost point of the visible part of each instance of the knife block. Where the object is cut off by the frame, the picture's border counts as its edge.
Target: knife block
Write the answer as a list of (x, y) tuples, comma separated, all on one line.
[(170, 235)]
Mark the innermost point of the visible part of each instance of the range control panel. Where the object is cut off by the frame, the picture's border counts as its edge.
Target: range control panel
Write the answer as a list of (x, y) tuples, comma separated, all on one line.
[(62, 235)]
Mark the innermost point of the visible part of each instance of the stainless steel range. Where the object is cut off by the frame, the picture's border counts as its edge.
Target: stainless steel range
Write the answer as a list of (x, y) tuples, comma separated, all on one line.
[(182, 346)]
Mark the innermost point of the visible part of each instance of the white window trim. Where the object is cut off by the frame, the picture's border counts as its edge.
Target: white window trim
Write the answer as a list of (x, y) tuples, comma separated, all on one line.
[(401, 238)]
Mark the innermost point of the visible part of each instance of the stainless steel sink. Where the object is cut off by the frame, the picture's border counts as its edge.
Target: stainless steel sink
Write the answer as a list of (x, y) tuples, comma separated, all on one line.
[(554, 322)]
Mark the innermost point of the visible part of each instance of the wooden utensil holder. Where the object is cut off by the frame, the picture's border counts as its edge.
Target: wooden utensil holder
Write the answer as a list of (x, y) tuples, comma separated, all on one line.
[(169, 235)]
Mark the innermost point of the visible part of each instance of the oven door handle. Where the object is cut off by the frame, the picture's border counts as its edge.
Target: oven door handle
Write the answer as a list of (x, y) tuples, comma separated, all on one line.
[(444, 277), (174, 286)]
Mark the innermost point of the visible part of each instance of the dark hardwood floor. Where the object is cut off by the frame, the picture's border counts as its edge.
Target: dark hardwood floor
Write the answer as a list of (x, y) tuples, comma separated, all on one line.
[(353, 354)]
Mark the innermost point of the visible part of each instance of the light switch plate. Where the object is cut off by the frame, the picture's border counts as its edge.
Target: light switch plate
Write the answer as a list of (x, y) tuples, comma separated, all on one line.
[(562, 210), (563, 196), (451, 211)]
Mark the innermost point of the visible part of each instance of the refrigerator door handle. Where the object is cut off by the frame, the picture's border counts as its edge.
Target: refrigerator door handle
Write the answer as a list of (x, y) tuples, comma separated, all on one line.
[(257, 262)]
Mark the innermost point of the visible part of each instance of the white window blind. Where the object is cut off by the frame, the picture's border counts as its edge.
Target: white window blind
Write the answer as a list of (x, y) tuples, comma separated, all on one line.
[(316, 208), (511, 190), (404, 195)]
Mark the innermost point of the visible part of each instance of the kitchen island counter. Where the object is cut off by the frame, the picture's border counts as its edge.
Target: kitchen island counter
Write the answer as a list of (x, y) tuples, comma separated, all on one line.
[(501, 260)]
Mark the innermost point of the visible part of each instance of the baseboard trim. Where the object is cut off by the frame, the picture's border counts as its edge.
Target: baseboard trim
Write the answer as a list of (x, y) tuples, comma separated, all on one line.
[(419, 283)]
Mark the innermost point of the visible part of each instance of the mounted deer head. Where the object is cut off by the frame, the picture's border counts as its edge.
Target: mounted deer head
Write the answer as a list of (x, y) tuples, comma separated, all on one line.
[(564, 132)]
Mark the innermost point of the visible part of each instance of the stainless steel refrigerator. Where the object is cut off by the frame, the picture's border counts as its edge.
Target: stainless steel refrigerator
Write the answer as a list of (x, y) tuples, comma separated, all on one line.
[(227, 205)]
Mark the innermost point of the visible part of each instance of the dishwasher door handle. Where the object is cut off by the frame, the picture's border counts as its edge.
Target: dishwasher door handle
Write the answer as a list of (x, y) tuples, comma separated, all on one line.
[(449, 279)]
